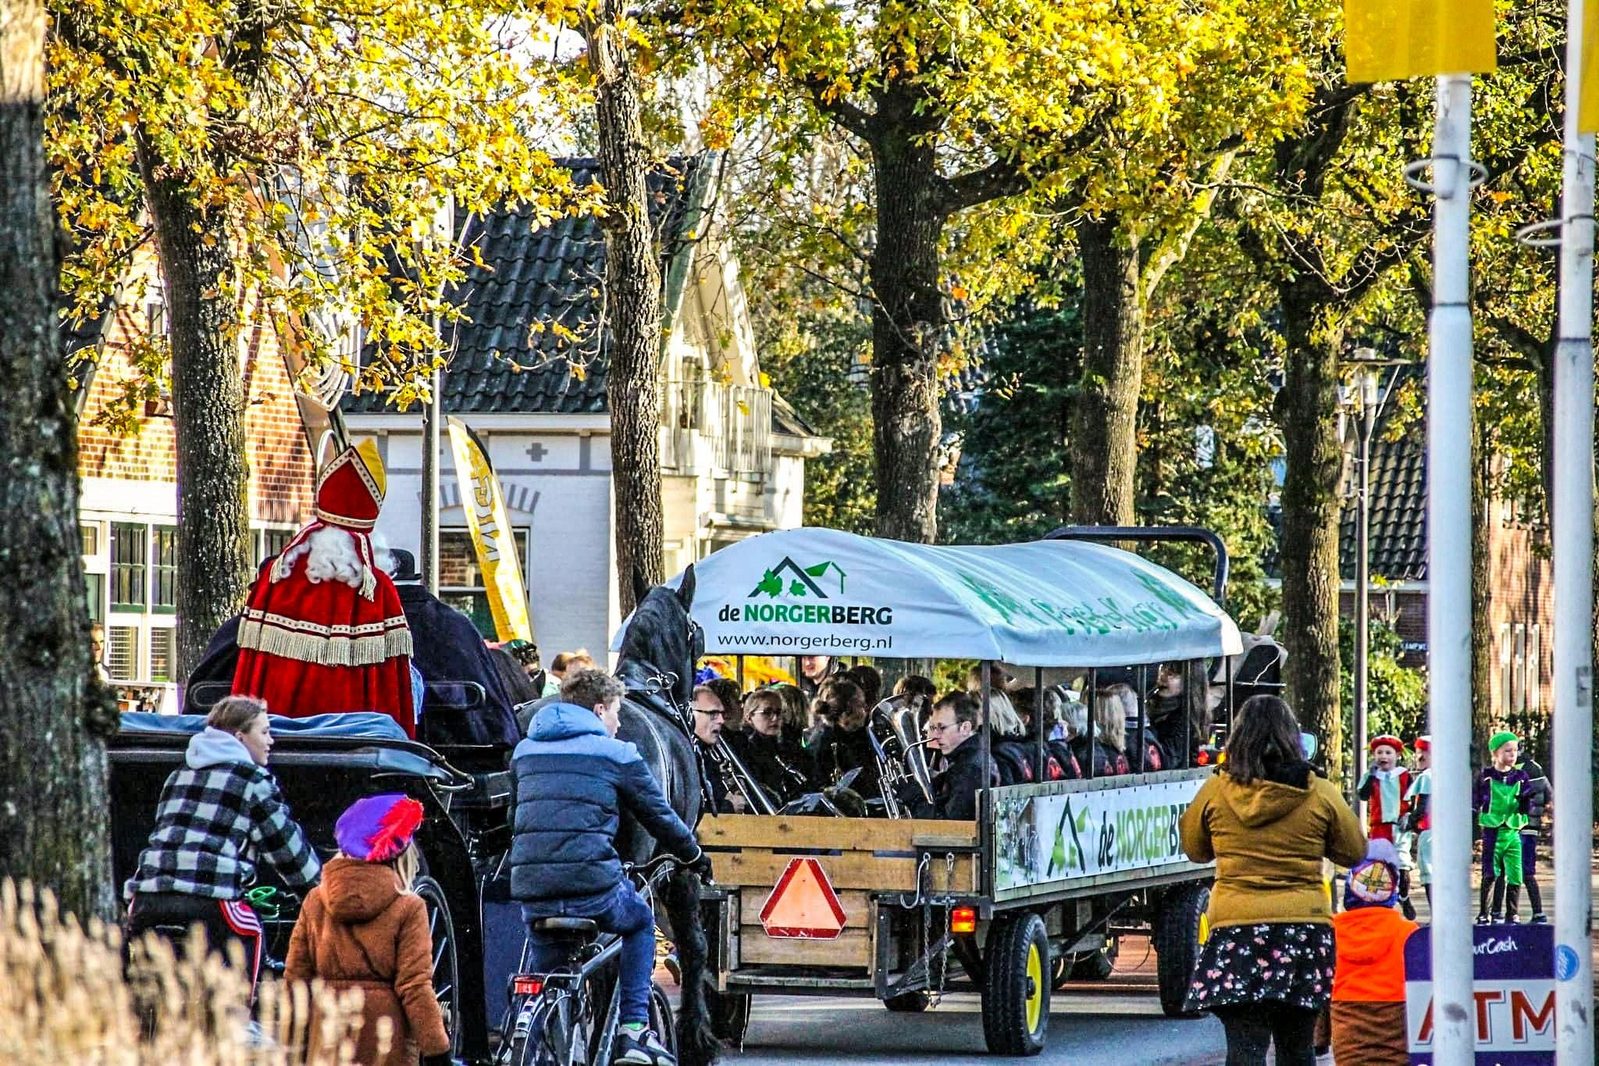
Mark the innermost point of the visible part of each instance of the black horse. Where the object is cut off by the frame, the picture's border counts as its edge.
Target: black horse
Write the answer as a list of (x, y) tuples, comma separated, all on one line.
[(659, 650)]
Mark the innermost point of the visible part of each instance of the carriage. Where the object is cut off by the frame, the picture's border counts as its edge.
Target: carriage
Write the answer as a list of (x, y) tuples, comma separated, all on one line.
[(903, 909), (323, 763)]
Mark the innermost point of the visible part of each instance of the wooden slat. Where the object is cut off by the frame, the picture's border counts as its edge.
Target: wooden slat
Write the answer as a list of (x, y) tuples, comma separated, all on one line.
[(851, 948), (857, 909), (845, 834), (761, 867)]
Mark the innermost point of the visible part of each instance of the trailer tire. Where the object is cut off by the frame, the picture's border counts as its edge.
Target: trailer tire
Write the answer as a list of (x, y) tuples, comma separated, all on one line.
[(1178, 925), (1017, 986)]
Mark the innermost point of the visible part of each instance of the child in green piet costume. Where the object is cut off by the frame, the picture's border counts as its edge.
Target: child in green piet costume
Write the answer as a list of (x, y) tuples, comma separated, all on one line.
[(1500, 800)]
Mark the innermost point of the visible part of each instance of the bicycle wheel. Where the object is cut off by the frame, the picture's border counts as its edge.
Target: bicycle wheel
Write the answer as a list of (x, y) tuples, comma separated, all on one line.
[(661, 1019), (539, 1042)]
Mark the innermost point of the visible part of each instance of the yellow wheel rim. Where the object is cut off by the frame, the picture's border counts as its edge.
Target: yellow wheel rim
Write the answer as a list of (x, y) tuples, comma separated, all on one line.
[(1035, 987), (1204, 927)]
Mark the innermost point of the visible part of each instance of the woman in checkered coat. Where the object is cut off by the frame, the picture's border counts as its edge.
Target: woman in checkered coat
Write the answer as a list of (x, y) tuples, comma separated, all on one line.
[(220, 814)]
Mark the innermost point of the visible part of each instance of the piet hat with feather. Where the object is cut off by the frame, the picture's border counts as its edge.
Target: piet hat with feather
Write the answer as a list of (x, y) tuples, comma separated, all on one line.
[(377, 828)]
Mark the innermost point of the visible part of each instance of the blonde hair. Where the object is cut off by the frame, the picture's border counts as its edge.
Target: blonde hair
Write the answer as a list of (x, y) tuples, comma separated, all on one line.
[(235, 714), (1112, 707), (407, 864), (1002, 714)]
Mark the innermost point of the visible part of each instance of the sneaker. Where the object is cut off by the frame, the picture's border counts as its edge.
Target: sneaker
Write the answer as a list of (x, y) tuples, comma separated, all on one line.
[(1483, 919), (645, 1049), (1407, 909), (1540, 918), (1512, 919)]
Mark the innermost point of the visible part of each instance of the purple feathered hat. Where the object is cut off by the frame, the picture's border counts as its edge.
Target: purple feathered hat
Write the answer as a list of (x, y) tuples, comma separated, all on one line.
[(377, 828)]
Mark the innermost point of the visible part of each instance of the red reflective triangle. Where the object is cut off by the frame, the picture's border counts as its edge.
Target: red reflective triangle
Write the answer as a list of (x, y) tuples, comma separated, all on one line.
[(803, 905)]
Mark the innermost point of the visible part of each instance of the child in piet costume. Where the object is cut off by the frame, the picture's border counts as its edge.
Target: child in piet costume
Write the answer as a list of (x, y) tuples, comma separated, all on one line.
[(1500, 799), (1419, 817), (323, 629), (1384, 788)]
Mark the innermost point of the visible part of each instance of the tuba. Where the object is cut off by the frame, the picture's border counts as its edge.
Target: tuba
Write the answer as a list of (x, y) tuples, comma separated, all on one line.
[(900, 750)]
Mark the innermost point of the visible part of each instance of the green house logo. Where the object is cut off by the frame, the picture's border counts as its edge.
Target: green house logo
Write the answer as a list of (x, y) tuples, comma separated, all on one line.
[(788, 578)]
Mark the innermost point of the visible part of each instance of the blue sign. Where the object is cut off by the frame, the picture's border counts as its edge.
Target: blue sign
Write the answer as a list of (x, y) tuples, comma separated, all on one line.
[(1513, 988)]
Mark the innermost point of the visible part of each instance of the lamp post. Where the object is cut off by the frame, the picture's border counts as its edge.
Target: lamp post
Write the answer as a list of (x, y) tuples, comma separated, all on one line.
[(1366, 399), (440, 234)]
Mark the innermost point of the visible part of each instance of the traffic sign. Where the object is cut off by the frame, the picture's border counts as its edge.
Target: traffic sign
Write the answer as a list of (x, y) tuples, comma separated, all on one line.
[(803, 905)]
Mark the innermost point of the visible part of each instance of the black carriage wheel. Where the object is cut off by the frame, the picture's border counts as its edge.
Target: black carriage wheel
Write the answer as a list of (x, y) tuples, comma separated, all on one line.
[(1016, 991), (1179, 926), (730, 1017), (446, 964), (661, 1018)]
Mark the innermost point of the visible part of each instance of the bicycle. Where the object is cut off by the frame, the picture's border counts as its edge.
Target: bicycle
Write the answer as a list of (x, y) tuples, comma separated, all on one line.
[(570, 1015)]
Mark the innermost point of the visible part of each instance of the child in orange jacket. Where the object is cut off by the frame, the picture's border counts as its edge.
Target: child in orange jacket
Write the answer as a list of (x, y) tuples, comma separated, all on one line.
[(1368, 997)]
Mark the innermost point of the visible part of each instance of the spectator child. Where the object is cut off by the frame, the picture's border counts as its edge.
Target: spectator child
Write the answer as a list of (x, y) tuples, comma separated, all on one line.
[(363, 927), (1419, 817), (1368, 996), (1537, 793), (1499, 800)]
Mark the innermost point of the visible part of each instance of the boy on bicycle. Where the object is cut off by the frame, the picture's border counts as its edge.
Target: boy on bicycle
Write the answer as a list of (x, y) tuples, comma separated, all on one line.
[(573, 780)]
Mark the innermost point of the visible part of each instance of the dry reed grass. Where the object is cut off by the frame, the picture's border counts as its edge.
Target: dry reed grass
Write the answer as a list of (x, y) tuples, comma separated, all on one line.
[(64, 998)]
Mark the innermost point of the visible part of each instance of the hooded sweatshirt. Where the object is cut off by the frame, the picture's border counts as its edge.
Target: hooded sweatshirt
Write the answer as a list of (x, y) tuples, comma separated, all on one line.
[(1371, 955), (573, 783), (220, 814), (1268, 839), (358, 930)]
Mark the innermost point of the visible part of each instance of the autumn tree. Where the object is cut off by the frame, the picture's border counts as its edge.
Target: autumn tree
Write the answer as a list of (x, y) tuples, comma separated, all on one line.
[(53, 796), (290, 154), (957, 107)]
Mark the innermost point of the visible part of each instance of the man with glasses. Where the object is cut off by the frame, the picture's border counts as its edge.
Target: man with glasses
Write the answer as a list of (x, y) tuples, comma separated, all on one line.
[(952, 730), (709, 718)]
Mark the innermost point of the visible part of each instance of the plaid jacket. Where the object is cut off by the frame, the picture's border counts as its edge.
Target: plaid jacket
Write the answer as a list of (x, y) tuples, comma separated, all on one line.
[(212, 826)]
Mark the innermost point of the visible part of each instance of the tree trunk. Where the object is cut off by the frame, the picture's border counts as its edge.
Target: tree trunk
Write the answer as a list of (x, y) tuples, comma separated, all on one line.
[(1104, 431), (907, 323), (633, 309), (214, 557), (1307, 413), (54, 828)]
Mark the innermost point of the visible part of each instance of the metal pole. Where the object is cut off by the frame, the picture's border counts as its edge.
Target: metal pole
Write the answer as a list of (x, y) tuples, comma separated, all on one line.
[(432, 417), (1573, 563), (1368, 419), (1449, 370)]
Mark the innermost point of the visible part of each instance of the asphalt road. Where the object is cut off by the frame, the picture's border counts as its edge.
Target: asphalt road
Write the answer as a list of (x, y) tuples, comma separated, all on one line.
[(1117, 1021), (1083, 1029)]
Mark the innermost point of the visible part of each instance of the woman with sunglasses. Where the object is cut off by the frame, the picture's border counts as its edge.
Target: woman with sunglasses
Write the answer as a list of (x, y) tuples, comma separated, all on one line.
[(779, 763)]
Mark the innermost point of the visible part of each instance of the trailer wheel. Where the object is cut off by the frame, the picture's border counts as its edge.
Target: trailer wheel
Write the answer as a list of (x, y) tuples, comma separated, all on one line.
[(1016, 992), (1179, 932), (446, 969), (730, 1017)]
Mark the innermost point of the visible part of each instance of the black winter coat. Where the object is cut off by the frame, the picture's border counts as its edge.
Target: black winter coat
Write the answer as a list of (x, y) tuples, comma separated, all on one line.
[(784, 769), (448, 648), (955, 790), (837, 751)]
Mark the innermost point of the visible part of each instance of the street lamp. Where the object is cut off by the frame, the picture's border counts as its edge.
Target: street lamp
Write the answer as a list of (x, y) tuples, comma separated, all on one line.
[(1366, 397)]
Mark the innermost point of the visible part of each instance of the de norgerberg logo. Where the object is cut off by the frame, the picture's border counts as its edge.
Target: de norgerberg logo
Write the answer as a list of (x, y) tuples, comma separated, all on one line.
[(791, 593)]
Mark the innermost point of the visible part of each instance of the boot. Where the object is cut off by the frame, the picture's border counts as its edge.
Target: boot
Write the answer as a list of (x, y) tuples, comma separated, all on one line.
[(1512, 903), (1405, 906), (1535, 900), (1482, 899)]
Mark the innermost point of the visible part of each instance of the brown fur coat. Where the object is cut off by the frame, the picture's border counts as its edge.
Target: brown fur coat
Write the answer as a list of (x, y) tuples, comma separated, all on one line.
[(358, 930)]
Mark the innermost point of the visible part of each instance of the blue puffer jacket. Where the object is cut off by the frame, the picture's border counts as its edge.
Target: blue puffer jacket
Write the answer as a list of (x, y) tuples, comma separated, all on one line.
[(572, 784)]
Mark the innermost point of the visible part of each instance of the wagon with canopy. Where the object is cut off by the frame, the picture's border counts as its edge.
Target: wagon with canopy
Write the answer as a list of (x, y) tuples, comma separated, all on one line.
[(903, 909)]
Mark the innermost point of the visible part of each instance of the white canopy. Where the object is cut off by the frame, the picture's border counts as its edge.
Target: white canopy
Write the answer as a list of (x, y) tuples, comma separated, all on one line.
[(1045, 603)]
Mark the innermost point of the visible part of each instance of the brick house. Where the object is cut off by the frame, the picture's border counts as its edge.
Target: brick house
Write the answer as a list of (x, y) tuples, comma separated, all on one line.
[(128, 482), (1520, 604)]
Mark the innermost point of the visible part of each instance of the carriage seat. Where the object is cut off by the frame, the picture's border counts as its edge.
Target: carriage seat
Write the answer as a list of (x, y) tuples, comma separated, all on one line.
[(575, 927)]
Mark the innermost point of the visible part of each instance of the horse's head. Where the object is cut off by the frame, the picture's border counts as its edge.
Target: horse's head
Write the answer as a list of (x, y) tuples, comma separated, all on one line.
[(663, 636)]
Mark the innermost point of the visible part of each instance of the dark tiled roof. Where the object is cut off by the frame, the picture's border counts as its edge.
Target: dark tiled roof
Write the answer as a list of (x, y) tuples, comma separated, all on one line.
[(535, 308), (1398, 549)]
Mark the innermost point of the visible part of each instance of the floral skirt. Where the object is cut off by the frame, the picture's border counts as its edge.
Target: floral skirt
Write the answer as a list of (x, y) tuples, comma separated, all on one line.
[(1282, 962)]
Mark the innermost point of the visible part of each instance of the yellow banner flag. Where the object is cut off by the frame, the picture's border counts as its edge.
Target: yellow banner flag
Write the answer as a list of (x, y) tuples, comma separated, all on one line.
[(492, 536), (1588, 109), (1389, 40)]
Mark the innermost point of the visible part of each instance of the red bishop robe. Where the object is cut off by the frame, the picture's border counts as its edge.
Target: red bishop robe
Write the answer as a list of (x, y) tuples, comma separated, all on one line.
[(313, 648)]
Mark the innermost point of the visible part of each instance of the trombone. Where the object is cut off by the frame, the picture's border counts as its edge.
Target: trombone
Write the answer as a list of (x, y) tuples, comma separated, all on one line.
[(737, 777)]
